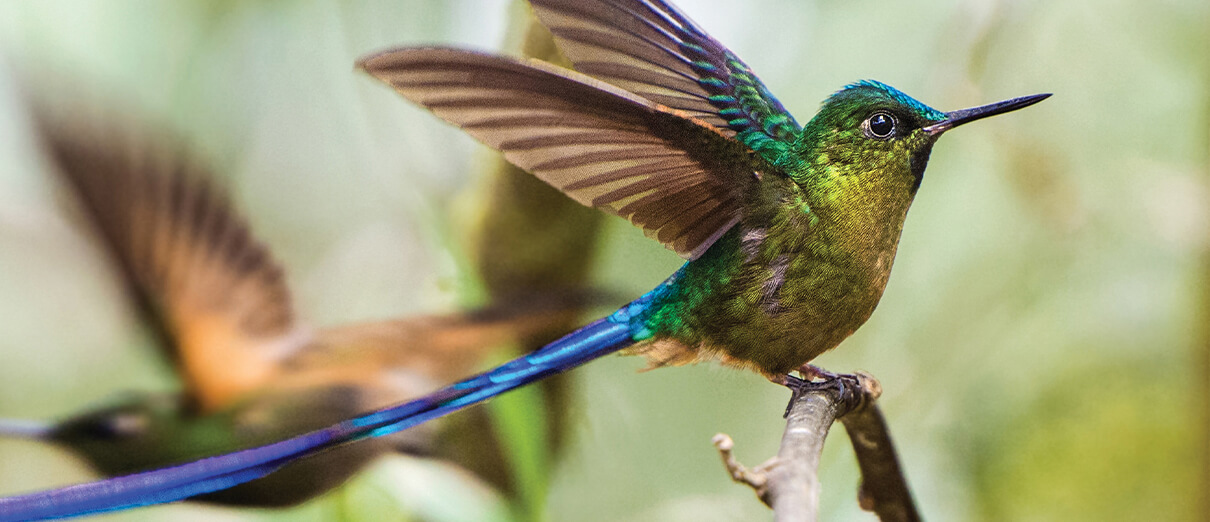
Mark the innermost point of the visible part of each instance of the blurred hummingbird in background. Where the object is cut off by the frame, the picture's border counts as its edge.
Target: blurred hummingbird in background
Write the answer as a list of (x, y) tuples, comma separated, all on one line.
[(789, 230), (220, 309)]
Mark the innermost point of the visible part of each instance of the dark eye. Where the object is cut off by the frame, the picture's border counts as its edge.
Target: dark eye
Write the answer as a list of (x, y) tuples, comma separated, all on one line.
[(880, 125), (120, 426)]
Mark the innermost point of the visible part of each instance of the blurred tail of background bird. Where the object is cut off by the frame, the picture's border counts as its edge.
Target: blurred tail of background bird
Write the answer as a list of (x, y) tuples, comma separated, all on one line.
[(220, 309)]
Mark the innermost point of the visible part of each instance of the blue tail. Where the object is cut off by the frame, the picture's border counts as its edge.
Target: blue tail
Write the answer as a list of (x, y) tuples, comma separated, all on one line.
[(599, 338)]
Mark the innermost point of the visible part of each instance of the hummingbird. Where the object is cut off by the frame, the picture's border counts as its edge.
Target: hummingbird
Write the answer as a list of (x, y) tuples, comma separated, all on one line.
[(789, 230), (220, 309)]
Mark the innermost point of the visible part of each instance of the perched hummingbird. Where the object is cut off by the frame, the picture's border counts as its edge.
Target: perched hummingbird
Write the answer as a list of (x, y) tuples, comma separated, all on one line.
[(220, 308), (790, 230)]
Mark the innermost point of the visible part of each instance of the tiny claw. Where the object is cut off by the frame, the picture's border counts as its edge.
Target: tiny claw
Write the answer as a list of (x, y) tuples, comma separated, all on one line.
[(811, 372), (829, 380)]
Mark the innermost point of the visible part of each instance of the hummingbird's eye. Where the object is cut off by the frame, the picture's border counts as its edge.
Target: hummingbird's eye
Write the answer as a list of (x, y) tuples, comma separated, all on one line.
[(121, 426), (880, 125)]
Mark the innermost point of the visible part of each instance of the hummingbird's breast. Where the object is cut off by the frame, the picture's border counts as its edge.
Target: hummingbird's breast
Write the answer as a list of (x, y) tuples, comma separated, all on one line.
[(777, 291)]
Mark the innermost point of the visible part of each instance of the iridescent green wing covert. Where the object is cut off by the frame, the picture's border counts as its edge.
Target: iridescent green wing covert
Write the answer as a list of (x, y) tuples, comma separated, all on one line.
[(678, 178), (650, 48)]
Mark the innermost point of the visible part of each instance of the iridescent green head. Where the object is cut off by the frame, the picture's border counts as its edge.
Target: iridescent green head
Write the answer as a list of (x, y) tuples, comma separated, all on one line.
[(871, 128)]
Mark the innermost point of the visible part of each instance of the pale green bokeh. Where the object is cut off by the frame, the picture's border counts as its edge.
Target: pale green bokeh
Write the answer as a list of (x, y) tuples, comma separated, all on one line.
[(1041, 342)]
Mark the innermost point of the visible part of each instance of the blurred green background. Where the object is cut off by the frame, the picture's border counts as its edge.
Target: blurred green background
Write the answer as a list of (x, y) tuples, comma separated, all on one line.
[(1042, 343)]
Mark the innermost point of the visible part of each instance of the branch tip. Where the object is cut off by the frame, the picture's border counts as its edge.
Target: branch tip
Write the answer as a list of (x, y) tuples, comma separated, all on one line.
[(756, 478), (789, 483)]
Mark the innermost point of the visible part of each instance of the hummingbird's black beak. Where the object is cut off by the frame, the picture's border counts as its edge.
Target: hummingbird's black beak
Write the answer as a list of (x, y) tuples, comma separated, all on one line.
[(958, 117), (25, 429)]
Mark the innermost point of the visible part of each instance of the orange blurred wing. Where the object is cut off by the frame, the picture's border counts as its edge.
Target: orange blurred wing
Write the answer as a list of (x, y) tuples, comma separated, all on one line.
[(210, 290)]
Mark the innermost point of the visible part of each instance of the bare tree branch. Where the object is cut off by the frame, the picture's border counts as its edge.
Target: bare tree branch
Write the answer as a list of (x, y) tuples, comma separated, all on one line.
[(789, 482), (884, 488)]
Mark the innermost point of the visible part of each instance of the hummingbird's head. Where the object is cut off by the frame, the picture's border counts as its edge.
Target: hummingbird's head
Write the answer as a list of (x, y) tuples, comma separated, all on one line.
[(126, 435), (869, 128)]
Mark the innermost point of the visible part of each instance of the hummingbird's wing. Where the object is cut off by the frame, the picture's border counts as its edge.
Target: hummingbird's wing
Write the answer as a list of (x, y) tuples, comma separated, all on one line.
[(652, 49), (436, 349), (212, 292), (678, 178)]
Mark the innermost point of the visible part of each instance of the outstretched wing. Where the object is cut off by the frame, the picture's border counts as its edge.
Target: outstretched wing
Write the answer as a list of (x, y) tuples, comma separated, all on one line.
[(211, 291), (650, 48), (678, 178)]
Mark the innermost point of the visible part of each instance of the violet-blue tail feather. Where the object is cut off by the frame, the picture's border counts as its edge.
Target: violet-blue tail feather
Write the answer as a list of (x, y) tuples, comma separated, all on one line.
[(598, 338)]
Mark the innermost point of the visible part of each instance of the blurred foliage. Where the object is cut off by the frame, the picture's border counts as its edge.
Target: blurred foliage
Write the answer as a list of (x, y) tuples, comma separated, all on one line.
[(1042, 343)]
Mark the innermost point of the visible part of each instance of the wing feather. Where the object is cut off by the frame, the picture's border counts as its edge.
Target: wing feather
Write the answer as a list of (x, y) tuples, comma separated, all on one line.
[(650, 48), (600, 145), (211, 291)]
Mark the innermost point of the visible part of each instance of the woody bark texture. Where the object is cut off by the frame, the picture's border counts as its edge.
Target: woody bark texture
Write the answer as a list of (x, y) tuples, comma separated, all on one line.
[(789, 483)]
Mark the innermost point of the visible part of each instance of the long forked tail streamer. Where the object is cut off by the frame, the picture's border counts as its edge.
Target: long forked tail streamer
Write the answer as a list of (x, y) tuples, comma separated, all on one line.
[(599, 338)]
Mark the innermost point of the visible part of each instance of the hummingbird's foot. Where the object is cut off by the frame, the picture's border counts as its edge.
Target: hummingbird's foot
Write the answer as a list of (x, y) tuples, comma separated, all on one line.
[(852, 389), (800, 386), (811, 372)]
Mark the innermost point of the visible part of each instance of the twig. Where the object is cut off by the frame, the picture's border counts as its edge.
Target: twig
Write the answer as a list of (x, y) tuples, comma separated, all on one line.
[(755, 478), (884, 488), (789, 482)]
